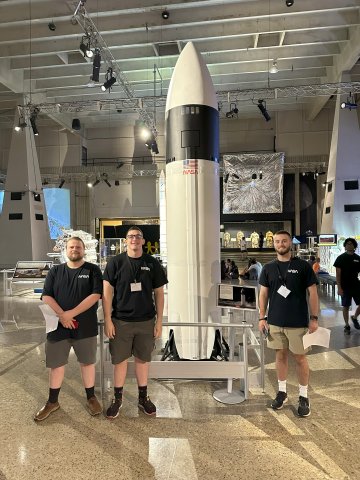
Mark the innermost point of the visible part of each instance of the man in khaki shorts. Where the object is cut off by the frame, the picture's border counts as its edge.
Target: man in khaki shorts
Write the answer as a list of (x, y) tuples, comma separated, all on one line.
[(285, 283)]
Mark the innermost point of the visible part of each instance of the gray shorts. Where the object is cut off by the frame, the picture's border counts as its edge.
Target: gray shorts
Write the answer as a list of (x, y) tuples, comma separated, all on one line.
[(132, 338), (290, 338), (57, 353)]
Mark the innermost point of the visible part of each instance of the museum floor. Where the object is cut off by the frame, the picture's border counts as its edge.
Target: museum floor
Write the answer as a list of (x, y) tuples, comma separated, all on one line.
[(193, 436)]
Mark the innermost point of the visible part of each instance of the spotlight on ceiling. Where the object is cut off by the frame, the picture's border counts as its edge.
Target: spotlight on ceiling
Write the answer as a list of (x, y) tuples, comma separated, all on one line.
[(85, 47), (109, 80), (233, 112), (274, 68), (107, 182), (117, 183), (96, 66), (75, 125), (21, 125), (350, 103), (289, 3), (62, 183), (262, 107), (165, 14), (97, 181), (52, 26)]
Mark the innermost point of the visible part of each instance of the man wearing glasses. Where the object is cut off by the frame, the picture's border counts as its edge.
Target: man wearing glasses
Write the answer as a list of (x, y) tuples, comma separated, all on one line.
[(132, 319)]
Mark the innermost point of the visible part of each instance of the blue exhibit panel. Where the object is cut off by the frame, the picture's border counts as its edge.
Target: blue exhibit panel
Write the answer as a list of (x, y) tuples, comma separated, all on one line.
[(1, 201), (57, 202)]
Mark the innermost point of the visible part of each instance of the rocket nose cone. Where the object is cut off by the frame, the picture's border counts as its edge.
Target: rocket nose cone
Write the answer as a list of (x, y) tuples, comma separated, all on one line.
[(191, 82)]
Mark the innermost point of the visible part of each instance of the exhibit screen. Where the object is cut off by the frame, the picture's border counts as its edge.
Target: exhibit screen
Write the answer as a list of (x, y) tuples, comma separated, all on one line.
[(57, 202), (328, 239), (1, 201)]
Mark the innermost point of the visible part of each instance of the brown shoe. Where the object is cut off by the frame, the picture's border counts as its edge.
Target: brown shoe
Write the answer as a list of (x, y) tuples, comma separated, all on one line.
[(46, 410), (94, 406)]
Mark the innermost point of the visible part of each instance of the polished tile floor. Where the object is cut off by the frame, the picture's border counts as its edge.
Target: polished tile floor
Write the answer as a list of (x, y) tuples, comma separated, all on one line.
[(193, 436)]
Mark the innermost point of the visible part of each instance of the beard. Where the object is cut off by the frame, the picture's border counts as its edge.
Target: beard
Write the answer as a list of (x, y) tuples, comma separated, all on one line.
[(282, 250), (75, 257)]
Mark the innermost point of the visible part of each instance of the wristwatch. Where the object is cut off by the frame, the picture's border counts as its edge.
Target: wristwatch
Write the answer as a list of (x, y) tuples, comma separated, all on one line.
[(314, 317), (262, 318)]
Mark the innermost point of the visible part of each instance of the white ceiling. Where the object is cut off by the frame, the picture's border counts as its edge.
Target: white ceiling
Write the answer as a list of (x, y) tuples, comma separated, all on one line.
[(314, 42)]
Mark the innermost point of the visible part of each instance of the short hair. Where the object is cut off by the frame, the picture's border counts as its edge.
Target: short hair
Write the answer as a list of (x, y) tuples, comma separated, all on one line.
[(78, 239), (283, 232), (352, 240), (134, 227)]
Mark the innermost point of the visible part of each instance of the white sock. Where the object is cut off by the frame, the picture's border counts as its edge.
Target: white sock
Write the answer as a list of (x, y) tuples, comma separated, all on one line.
[(303, 391), (282, 385)]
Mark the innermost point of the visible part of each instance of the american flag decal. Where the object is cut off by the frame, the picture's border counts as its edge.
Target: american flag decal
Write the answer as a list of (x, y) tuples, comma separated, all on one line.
[(190, 167)]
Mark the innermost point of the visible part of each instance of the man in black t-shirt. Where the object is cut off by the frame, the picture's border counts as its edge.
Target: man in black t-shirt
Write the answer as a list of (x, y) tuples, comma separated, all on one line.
[(132, 320), (347, 271), (285, 283), (72, 290)]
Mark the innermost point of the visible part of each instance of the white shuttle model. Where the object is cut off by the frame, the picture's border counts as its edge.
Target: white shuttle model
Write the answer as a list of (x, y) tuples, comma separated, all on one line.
[(192, 203)]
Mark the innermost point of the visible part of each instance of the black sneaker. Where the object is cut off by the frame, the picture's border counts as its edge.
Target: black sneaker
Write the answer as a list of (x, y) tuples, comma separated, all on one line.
[(347, 329), (114, 409), (279, 400), (304, 407), (146, 405), (355, 322)]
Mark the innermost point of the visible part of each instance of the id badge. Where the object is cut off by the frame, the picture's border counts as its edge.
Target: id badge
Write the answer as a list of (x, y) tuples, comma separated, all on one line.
[(135, 287), (283, 291)]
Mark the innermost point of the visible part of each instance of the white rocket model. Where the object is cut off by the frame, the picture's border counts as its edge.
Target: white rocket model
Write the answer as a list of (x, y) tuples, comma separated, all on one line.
[(192, 203)]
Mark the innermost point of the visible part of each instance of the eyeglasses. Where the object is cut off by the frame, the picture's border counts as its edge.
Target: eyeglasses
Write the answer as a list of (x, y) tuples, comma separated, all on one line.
[(133, 237)]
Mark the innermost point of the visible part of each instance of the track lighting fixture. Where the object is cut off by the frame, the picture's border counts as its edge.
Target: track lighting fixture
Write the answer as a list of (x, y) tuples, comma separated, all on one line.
[(109, 80), (350, 103), (75, 125), (52, 26), (62, 183), (21, 125), (85, 47), (289, 3), (97, 181), (274, 67), (107, 182), (262, 107), (233, 112), (96, 66), (165, 14)]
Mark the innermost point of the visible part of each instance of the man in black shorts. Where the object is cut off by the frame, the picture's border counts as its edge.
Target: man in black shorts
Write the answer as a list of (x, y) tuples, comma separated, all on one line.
[(132, 320), (347, 270), (72, 290), (285, 283)]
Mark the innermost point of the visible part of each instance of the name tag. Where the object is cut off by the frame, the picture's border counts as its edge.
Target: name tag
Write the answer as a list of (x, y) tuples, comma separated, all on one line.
[(135, 287), (283, 291)]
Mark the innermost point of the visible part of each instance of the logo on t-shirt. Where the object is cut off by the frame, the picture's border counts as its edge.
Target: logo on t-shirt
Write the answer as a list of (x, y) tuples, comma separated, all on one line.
[(293, 271), (145, 268), (83, 276)]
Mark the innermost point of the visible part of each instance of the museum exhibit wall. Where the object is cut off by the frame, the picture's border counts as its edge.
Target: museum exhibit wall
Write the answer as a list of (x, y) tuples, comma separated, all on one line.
[(289, 131)]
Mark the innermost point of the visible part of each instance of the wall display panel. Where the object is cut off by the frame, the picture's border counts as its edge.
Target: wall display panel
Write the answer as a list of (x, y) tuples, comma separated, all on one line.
[(1, 201), (253, 183), (57, 202)]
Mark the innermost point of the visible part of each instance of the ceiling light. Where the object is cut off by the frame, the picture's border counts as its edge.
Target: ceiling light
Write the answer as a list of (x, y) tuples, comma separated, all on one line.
[(109, 80), (97, 181), (274, 67), (262, 107), (107, 182), (96, 66), (350, 103), (233, 112), (165, 14), (75, 125), (52, 26), (62, 183), (85, 47), (289, 3)]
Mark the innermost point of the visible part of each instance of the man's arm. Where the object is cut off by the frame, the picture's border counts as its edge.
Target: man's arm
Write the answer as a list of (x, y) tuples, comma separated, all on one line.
[(108, 294), (87, 303), (338, 281), (53, 304), (314, 307), (159, 304), (263, 302)]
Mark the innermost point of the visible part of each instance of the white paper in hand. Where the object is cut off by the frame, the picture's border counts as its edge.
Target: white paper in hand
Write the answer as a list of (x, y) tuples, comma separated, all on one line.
[(51, 319), (320, 337)]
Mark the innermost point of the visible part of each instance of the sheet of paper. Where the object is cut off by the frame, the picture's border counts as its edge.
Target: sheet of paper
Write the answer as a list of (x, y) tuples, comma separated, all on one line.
[(226, 292), (51, 319), (320, 337)]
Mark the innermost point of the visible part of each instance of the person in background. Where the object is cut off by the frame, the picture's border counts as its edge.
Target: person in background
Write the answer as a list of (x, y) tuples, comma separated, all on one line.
[(316, 265), (261, 240), (223, 269), (311, 260), (234, 271), (285, 284), (133, 303), (347, 270), (72, 290)]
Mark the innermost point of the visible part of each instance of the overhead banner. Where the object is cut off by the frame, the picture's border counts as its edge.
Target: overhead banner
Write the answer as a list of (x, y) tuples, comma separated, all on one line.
[(253, 183)]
